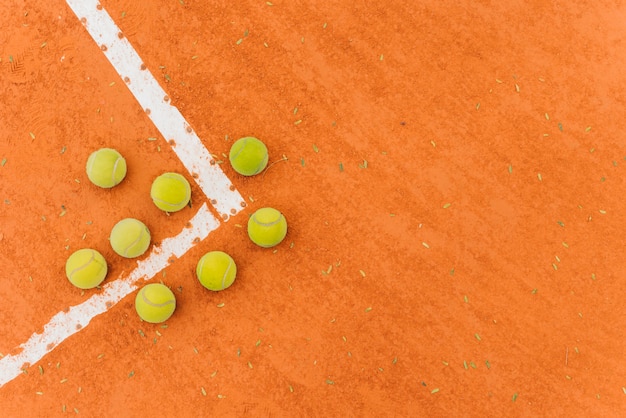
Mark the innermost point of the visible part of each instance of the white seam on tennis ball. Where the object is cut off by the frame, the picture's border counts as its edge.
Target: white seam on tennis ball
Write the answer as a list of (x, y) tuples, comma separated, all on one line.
[(149, 302), (114, 171), (185, 199), (93, 256), (138, 239), (254, 218), (261, 165), (240, 150), (90, 163), (226, 274)]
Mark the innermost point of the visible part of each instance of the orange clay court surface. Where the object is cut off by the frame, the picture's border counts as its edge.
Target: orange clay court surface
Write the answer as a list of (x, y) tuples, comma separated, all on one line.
[(454, 178)]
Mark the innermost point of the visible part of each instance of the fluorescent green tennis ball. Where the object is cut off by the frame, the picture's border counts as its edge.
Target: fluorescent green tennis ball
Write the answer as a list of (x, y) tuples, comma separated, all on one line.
[(170, 192), (267, 227), (155, 303), (216, 270), (248, 156), (86, 268), (106, 168), (130, 238)]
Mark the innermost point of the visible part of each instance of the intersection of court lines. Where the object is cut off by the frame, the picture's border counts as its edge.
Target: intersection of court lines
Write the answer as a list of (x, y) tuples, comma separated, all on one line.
[(196, 160)]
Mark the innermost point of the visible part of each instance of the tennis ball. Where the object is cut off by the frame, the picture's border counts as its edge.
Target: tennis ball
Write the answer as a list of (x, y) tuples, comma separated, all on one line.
[(248, 156), (267, 227), (130, 238), (216, 270), (86, 268), (155, 303), (106, 168), (170, 192)]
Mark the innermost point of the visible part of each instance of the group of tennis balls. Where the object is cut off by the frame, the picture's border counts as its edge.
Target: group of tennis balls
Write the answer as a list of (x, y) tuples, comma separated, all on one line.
[(171, 192)]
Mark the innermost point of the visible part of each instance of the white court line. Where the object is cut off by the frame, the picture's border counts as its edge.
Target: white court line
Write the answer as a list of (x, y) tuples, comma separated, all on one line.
[(65, 324), (155, 102), (189, 149)]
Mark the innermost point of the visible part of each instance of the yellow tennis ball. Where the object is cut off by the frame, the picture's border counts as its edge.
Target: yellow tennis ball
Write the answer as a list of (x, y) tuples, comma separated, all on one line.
[(155, 303), (106, 168), (216, 270), (86, 268), (248, 156), (130, 238), (170, 192), (267, 227)]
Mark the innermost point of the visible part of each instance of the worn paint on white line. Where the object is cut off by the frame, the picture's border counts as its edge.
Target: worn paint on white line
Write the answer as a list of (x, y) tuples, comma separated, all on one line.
[(65, 324), (157, 105)]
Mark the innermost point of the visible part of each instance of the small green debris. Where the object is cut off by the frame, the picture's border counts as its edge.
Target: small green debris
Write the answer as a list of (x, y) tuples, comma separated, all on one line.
[(465, 365), (395, 360), (4, 161), (434, 390), (363, 164), (588, 128), (239, 41), (445, 363), (203, 391), (381, 57), (290, 388), (302, 162), (465, 299), (539, 177), (478, 106), (560, 125), (41, 370), (472, 364), (488, 364), (315, 148), (269, 3), (298, 122), (547, 116), (560, 223), (447, 205), (510, 169), (452, 272), (514, 398), (362, 273), (39, 393), (534, 291), (477, 336), (329, 382), (368, 309), (425, 245), (341, 167), (131, 374)]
